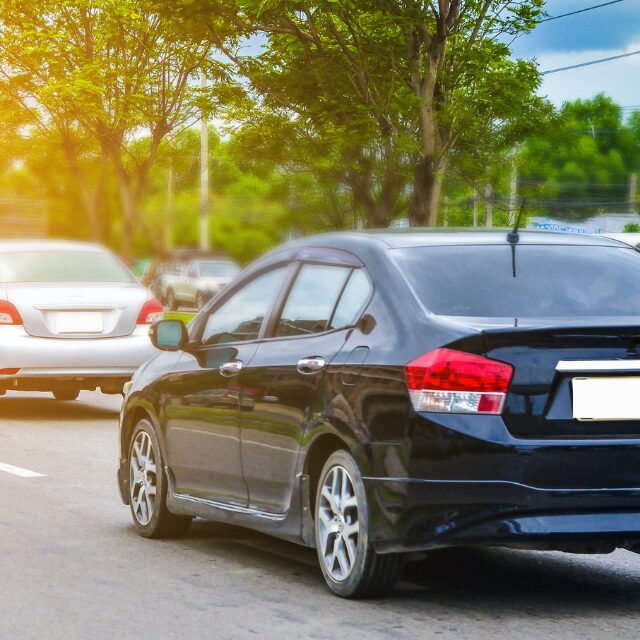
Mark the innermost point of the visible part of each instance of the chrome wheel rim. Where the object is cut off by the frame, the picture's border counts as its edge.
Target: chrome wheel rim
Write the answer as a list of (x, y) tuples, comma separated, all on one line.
[(338, 523), (142, 478)]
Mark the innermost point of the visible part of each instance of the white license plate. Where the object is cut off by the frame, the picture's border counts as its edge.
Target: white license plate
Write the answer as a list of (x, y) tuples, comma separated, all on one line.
[(79, 322), (606, 398)]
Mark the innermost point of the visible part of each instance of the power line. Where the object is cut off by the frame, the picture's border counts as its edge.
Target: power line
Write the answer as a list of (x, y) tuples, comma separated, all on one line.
[(588, 64), (573, 13)]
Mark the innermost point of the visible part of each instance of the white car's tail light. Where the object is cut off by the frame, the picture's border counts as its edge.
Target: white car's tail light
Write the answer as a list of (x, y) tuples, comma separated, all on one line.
[(151, 312), (9, 314), (448, 381)]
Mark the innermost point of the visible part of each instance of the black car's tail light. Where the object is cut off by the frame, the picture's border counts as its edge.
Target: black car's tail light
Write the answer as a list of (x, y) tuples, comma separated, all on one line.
[(151, 312), (9, 314), (449, 381)]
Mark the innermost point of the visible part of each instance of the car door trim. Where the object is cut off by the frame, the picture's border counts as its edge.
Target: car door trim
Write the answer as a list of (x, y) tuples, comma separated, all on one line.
[(213, 504)]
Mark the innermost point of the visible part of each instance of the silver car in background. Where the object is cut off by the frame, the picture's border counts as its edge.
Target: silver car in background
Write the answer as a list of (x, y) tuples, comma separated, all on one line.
[(72, 317), (194, 282)]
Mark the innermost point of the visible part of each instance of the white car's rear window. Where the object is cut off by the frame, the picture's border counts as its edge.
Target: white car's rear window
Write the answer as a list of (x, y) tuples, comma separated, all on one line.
[(59, 266)]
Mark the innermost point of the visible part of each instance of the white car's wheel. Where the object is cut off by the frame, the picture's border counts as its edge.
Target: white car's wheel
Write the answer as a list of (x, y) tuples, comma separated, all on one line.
[(66, 395), (172, 303)]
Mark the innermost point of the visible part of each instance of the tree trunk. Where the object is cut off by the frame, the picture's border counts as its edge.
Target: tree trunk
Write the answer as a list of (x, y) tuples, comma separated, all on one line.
[(376, 214), (128, 204), (90, 195), (426, 195)]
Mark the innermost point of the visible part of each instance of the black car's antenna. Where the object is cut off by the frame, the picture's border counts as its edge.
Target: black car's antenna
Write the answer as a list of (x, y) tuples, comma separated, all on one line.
[(513, 237)]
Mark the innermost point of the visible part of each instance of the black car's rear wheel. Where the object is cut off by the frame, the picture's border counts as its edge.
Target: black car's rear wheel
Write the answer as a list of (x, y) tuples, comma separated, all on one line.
[(148, 487), (351, 567)]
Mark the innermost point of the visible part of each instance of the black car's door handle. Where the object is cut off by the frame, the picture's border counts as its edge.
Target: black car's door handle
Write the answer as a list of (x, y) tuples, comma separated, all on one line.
[(230, 369), (309, 366)]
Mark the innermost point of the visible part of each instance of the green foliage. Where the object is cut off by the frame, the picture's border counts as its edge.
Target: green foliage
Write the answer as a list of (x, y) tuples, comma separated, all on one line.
[(581, 164)]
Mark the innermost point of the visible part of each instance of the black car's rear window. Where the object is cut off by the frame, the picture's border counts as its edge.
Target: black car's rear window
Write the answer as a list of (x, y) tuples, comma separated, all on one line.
[(549, 280)]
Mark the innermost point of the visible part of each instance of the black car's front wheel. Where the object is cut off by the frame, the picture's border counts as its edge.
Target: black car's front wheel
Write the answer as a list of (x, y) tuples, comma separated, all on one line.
[(351, 567), (148, 487)]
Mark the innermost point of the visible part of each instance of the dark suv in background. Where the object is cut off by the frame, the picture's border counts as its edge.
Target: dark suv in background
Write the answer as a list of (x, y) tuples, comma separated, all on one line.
[(374, 394)]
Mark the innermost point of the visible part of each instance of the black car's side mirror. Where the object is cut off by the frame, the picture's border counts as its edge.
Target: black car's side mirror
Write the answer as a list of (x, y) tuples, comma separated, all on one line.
[(169, 335)]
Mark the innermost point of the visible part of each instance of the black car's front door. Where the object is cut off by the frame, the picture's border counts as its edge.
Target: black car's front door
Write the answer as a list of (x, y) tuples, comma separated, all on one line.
[(203, 408), (203, 424)]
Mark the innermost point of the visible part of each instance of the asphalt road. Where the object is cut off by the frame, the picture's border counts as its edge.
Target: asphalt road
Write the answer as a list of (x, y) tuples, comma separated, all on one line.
[(72, 567)]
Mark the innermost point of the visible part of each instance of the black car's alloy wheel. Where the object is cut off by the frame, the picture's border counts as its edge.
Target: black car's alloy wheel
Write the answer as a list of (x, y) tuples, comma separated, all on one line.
[(148, 487), (351, 567)]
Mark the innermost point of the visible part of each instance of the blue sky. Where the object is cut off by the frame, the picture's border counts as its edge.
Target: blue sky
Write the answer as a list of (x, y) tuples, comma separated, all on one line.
[(600, 33)]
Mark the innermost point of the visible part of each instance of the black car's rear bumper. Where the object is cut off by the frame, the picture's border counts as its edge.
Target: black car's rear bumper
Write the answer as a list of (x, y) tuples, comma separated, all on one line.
[(493, 489), (409, 514)]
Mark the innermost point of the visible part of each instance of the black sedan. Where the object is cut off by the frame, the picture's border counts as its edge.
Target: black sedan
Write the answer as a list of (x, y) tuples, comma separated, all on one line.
[(372, 394)]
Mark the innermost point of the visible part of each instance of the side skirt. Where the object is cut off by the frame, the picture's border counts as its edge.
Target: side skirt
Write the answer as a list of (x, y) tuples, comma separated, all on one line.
[(294, 526)]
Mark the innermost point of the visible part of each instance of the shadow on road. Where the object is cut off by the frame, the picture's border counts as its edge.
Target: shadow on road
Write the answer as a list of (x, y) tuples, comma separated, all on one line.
[(30, 408), (491, 581)]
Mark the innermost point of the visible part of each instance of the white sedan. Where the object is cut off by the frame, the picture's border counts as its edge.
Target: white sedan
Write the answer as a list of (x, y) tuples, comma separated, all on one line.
[(72, 317)]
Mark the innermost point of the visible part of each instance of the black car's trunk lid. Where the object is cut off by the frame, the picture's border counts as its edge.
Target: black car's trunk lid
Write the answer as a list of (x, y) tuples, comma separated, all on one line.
[(546, 360)]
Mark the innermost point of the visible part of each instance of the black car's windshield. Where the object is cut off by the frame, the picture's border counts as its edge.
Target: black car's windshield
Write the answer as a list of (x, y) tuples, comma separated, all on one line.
[(218, 269), (61, 266), (551, 281)]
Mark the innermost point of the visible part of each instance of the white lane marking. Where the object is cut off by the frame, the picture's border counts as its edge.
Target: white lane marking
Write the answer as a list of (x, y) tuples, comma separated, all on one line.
[(19, 471)]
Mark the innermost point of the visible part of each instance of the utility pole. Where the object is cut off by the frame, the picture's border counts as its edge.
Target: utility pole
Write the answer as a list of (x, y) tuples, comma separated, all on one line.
[(475, 208), (168, 222), (513, 199), (488, 193), (633, 190), (204, 174)]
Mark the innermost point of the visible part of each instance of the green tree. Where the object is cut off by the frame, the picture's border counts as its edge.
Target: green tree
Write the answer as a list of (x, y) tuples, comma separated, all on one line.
[(100, 74), (383, 95), (580, 164)]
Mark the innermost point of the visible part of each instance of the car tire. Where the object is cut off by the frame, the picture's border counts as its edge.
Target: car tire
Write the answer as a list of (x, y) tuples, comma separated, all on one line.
[(151, 517), (199, 301), (172, 303), (349, 564), (66, 395)]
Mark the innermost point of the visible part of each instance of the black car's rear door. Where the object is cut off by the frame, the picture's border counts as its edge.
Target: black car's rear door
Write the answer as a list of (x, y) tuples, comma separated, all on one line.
[(284, 381)]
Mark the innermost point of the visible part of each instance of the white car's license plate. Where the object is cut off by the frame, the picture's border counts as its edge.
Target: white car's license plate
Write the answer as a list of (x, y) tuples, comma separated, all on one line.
[(614, 398), (79, 322)]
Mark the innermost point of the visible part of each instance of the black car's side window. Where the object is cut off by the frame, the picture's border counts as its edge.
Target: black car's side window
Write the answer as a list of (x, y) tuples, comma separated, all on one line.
[(240, 317), (355, 294), (312, 300)]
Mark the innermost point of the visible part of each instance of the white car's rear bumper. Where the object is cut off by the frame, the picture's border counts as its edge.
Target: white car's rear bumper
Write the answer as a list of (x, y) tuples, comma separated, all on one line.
[(83, 361)]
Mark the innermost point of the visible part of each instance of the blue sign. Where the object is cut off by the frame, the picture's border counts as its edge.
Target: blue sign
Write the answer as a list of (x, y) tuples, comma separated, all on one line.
[(562, 227)]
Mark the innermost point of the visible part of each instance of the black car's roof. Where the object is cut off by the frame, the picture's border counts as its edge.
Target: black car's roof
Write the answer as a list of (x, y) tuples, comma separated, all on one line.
[(373, 244), (439, 237)]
